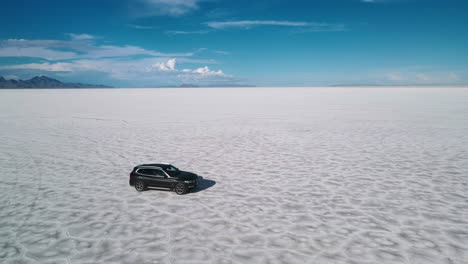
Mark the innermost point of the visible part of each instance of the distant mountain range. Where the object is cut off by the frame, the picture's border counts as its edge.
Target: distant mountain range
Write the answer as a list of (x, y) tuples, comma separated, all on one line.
[(42, 82)]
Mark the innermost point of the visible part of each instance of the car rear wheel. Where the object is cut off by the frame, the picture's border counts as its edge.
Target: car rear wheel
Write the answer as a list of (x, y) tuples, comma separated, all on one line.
[(140, 186), (180, 188)]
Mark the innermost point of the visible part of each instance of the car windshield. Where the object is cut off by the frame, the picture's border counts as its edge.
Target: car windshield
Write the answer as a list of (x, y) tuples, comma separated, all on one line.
[(171, 170)]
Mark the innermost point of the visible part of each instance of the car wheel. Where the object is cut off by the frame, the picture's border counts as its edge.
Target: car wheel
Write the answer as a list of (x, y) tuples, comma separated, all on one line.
[(140, 186), (180, 188)]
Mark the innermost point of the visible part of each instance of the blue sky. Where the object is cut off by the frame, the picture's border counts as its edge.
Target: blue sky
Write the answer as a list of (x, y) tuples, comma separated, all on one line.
[(143, 43)]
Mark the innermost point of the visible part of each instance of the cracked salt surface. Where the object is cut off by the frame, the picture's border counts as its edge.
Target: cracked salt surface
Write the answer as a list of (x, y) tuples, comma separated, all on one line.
[(321, 175)]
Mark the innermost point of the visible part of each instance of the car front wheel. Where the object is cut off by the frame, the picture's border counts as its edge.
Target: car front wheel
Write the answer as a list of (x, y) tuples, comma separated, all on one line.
[(180, 188), (140, 186)]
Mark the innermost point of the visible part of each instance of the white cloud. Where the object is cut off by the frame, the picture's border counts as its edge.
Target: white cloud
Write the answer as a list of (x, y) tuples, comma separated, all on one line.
[(36, 52), (169, 65), (75, 45), (80, 36), (394, 77), (51, 67), (252, 23), (304, 26), (107, 51), (422, 77), (77, 49), (168, 7), (181, 32), (139, 26), (205, 71), (222, 52)]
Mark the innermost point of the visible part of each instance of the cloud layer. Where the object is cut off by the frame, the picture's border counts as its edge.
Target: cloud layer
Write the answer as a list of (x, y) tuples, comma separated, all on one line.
[(75, 49), (83, 54)]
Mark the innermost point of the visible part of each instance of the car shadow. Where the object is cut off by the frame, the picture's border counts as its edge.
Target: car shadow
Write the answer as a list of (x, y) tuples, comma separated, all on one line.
[(203, 184)]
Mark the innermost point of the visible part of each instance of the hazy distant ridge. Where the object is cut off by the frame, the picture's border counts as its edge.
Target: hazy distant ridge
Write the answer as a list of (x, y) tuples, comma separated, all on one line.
[(40, 82)]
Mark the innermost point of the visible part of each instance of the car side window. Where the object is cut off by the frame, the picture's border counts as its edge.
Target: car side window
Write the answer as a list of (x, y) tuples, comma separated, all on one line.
[(144, 171), (159, 173), (152, 172)]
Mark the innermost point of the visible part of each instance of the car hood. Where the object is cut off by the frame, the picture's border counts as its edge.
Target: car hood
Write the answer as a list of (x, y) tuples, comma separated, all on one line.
[(186, 176)]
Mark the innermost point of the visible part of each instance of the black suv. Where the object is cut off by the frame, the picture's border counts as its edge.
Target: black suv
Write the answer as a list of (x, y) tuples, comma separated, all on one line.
[(162, 176)]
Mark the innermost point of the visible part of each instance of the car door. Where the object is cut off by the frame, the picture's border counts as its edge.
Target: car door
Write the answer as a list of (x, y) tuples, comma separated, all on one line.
[(146, 175), (164, 180), (155, 178)]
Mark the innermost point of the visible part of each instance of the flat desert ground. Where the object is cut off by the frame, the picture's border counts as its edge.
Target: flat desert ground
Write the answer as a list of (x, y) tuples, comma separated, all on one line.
[(290, 175)]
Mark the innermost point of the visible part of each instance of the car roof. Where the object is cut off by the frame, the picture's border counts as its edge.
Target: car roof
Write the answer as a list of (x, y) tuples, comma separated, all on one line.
[(160, 165), (147, 167)]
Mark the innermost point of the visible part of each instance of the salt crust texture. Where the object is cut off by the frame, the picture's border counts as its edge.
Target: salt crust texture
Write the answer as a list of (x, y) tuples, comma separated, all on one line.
[(290, 175)]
